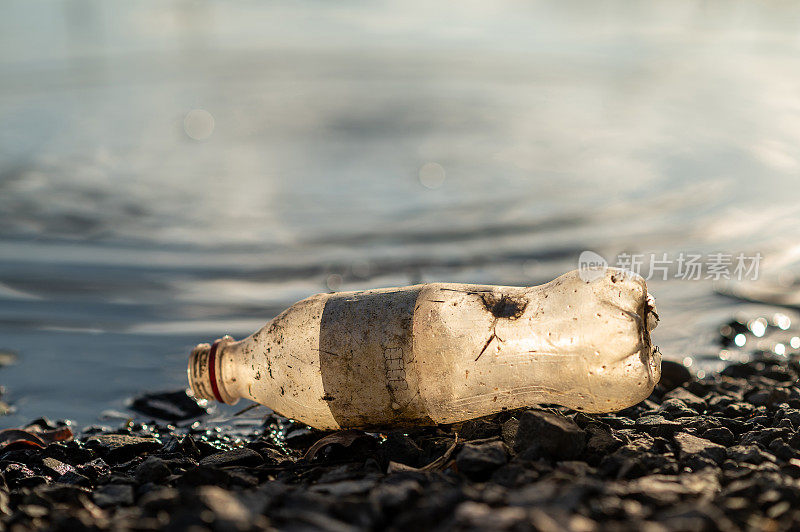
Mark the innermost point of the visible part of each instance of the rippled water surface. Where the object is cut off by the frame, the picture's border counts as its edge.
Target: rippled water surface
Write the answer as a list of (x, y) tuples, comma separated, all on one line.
[(174, 171)]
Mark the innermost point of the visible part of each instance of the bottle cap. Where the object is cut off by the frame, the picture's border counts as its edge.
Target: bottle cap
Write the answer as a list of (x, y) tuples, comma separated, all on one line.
[(205, 372)]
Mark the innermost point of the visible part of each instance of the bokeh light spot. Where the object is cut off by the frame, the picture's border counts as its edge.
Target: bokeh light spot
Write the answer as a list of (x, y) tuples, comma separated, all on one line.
[(198, 124), (333, 282), (432, 175)]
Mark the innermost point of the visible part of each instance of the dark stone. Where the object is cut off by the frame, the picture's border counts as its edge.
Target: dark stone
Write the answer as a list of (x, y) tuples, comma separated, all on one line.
[(13, 473), (61, 493), (392, 496), (478, 462), (545, 434), (675, 409), (32, 482), (170, 406), (202, 475), (234, 457), (71, 452), (720, 435), (749, 453), (673, 374), (75, 479), (400, 448), (688, 398), (97, 470), (113, 495), (478, 429), (30, 457), (301, 437), (437, 505), (118, 448), (185, 446), (153, 469), (657, 425), (56, 468), (690, 447), (782, 450), (763, 436), (508, 432), (601, 440)]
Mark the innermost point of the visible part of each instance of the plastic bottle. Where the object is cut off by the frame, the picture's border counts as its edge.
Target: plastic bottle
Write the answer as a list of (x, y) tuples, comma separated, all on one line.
[(443, 353)]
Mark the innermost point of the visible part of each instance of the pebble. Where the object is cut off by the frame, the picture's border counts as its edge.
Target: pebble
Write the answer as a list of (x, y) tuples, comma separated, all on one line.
[(691, 447), (113, 495), (478, 462), (118, 448), (152, 469), (546, 434), (236, 457), (169, 406), (673, 374)]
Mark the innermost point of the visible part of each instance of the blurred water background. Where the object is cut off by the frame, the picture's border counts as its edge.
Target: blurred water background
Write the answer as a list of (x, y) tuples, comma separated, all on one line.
[(174, 171)]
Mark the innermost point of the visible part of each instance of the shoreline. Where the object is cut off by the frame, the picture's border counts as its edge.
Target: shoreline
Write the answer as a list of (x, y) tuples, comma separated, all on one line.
[(720, 452)]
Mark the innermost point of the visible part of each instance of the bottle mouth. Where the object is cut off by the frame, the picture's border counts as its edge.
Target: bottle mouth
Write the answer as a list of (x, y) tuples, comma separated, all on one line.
[(205, 371)]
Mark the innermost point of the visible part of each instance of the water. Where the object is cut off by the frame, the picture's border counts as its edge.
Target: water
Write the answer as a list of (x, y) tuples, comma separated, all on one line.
[(174, 171)]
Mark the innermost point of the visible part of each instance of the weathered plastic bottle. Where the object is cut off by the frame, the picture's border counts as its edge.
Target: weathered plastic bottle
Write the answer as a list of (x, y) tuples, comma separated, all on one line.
[(443, 353)]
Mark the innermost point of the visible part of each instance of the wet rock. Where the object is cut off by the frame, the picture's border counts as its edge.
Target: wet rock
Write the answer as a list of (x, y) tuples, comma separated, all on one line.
[(657, 425), (113, 495), (400, 448), (691, 447), (720, 435), (478, 462), (32, 482), (782, 450), (749, 453), (224, 477), (544, 434), (14, 472), (185, 446), (97, 470), (675, 409), (118, 448), (601, 440), (508, 432), (479, 429), (61, 493), (56, 468), (75, 479), (169, 406), (688, 398), (673, 374), (390, 497), (153, 469), (235, 457), (763, 436)]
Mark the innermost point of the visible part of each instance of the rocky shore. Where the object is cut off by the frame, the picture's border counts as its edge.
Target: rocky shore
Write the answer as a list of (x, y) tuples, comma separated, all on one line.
[(718, 453)]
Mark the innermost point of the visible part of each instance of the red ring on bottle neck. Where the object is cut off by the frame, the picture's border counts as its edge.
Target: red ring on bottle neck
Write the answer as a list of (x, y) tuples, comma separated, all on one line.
[(212, 370)]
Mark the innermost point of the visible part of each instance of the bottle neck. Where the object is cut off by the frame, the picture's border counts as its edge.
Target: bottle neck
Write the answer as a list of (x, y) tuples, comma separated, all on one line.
[(208, 364)]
